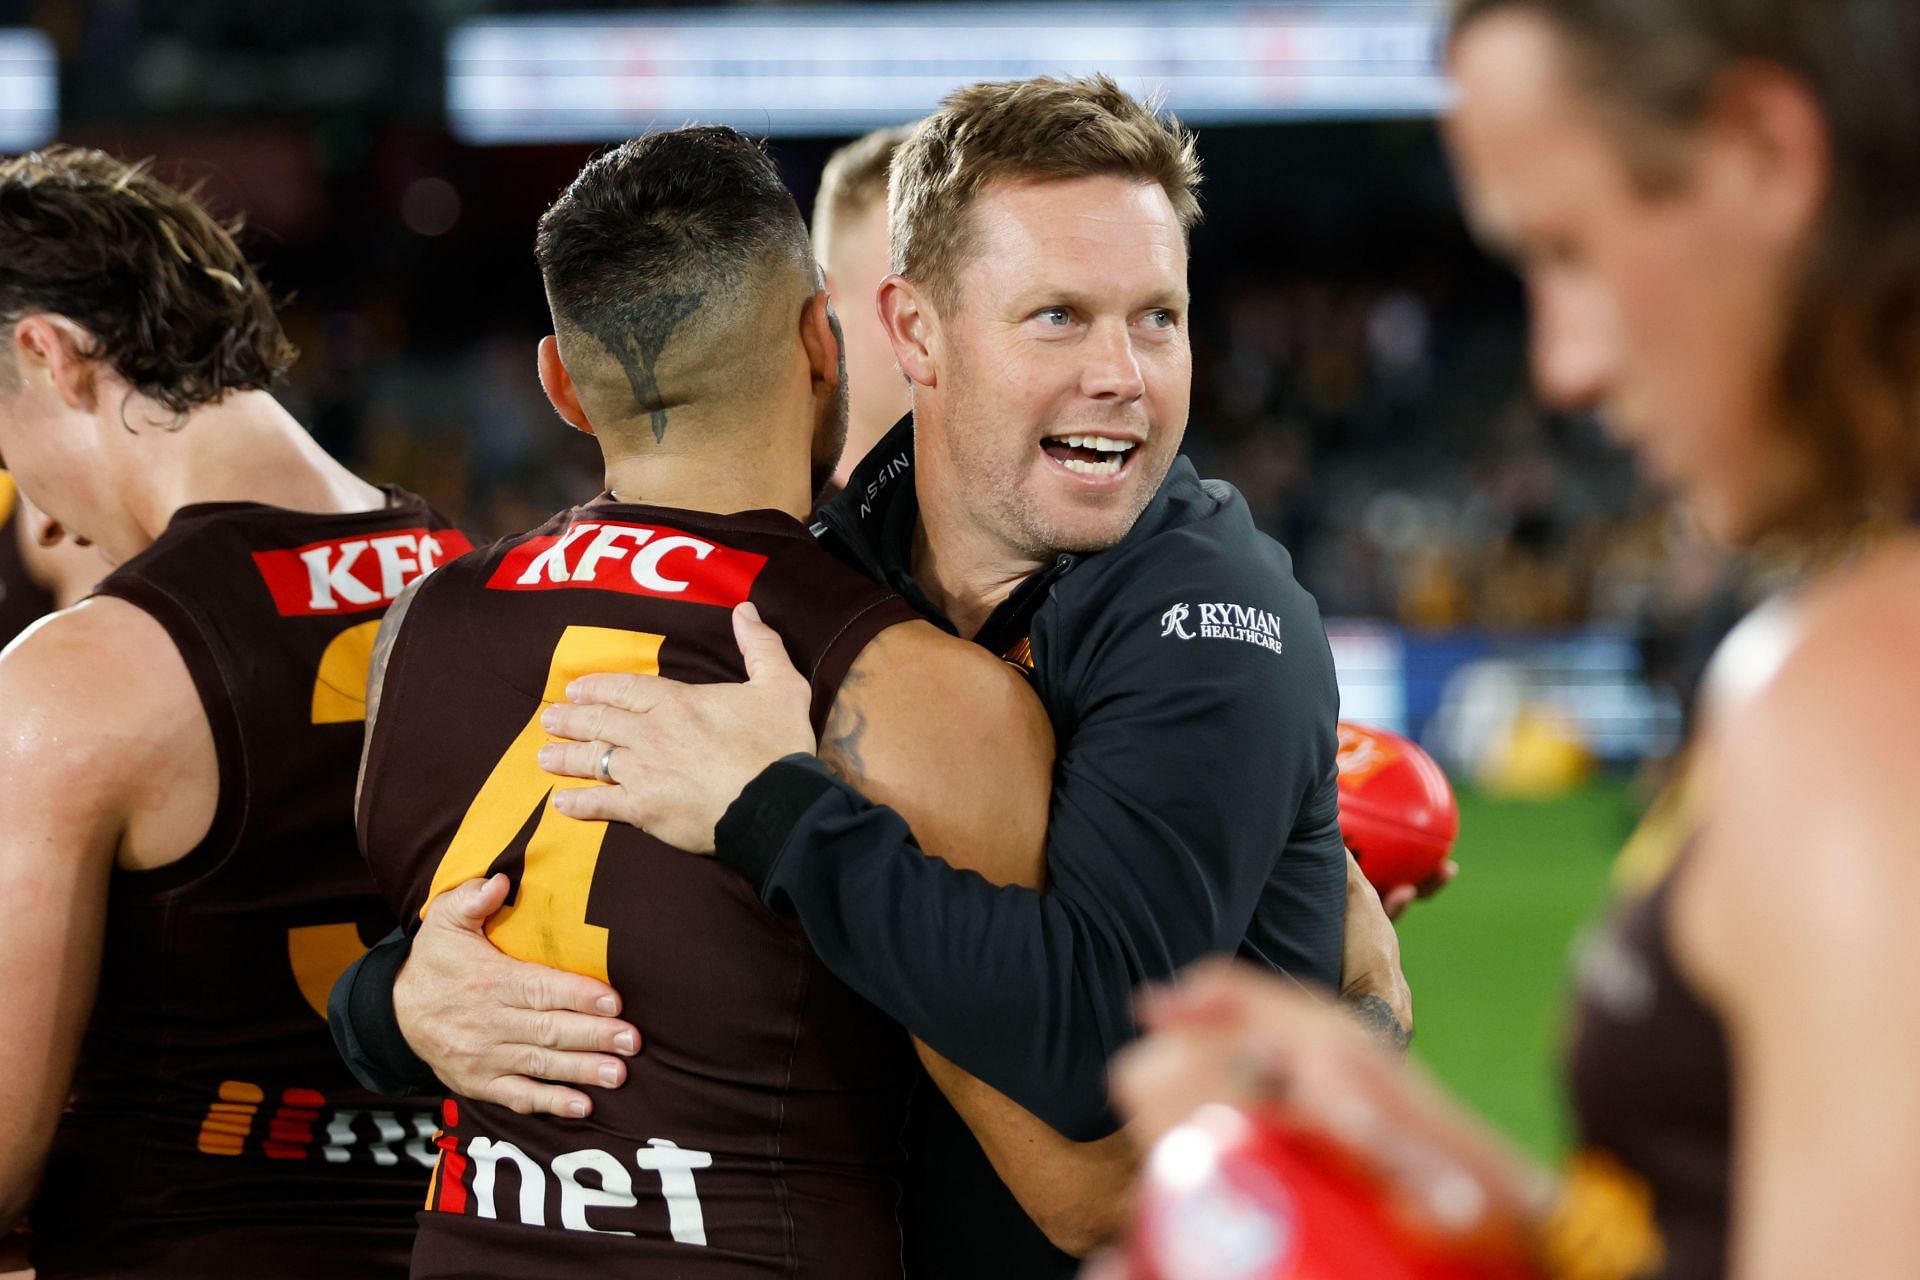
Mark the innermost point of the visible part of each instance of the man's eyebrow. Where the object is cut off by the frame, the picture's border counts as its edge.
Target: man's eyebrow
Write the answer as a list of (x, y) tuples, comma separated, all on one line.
[(1042, 294)]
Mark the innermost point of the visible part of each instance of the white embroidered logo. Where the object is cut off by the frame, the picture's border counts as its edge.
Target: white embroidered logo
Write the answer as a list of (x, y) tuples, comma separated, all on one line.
[(1224, 622)]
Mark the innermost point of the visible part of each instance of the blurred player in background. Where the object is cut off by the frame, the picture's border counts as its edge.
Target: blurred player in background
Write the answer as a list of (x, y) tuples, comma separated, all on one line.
[(40, 569), (1717, 211), (179, 753), (850, 240)]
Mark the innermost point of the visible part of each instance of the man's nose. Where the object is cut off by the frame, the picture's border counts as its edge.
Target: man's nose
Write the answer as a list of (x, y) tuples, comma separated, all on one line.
[(1112, 372), (1576, 345)]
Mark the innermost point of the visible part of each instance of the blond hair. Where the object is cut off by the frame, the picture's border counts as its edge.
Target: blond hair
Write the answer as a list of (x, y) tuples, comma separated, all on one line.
[(1042, 129), (854, 180)]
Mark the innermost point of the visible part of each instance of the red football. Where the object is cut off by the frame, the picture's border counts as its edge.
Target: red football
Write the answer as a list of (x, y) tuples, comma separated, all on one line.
[(1236, 1195), (1396, 809)]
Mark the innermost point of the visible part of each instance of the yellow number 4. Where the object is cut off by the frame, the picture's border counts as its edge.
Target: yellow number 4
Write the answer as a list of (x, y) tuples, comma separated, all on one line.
[(547, 922)]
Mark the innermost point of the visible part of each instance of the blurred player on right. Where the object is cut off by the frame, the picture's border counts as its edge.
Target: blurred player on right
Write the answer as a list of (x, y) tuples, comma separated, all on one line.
[(1716, 207)]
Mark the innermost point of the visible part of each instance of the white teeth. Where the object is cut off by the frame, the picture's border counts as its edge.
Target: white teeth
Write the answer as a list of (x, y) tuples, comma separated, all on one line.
[(1101, 444), (1105, 467)]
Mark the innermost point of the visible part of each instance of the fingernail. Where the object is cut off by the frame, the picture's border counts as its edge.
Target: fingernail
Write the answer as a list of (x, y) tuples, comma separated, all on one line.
[(573, 690), (626, 1042), (548, 757), (550, 718), (576, 1109), (748, 612), (609, 1075), (607, 1004)]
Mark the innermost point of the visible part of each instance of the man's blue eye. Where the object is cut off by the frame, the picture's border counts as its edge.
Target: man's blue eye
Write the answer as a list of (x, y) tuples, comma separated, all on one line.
[(1055, 315)]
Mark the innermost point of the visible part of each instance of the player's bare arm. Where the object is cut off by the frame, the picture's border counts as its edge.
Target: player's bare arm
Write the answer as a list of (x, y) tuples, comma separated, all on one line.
[(107, 757), (1796, 919), (973, 787), (491, 1026)]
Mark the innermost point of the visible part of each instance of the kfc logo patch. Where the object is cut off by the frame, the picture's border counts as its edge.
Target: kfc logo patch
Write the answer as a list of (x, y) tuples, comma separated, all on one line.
[(351, 575), (636, 559)]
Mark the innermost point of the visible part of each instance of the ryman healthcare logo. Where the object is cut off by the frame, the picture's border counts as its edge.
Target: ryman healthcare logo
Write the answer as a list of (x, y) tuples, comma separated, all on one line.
[(1222, 622)]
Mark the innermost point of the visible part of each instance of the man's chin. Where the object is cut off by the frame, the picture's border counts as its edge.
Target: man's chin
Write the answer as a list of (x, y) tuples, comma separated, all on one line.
[(1080, 535)]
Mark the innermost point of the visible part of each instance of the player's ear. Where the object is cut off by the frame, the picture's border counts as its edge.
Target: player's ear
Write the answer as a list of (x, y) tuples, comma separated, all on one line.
[(820, 336), (43, 529), (55, 347), (558, 384), (911, 325)]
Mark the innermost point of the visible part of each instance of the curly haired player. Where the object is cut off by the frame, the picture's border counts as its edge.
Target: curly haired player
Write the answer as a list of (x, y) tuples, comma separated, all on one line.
[(178, 766)]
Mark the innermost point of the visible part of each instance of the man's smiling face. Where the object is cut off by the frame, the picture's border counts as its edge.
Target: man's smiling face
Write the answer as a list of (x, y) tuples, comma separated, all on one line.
[(1068, 371)]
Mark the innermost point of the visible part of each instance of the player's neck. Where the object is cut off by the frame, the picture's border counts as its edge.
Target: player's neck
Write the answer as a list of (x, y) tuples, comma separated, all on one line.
[(245, 448), (716, 479)]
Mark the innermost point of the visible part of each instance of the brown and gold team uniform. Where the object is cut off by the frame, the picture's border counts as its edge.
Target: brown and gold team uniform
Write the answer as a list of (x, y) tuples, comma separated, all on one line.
[(759, 1132), (212, 1128), (1647, 1195)]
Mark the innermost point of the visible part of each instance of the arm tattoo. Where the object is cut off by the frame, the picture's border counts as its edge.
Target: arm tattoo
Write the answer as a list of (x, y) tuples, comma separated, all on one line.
[(1377, 1016), (636, 336), (383, 641), (846, 725)]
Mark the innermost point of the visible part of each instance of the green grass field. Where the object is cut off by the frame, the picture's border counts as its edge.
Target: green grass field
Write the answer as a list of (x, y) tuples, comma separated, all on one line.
[(1489, 960)]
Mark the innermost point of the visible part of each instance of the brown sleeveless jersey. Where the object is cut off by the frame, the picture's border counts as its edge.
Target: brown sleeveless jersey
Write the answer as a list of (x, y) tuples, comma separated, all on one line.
[(759, 1132), (1652, 1089), (213, 1129), (22, 600)]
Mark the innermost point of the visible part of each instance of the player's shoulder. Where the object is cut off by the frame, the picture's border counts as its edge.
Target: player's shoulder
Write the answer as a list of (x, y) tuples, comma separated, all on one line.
[(96, 682), (1812, 721), (1827, 659), (916, 655)]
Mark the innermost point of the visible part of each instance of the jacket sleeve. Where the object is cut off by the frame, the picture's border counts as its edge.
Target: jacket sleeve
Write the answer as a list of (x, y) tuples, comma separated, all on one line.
[(1175, 795), (365, 1030)]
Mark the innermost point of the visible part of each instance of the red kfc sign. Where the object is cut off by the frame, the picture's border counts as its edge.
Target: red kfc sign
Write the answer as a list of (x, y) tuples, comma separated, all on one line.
[(349, 575), (637, 559)]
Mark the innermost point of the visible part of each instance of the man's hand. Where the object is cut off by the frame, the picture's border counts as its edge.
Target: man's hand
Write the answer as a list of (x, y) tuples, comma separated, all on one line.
[(1370, 978), (1398, 900), (499, 1029), (676, 755)]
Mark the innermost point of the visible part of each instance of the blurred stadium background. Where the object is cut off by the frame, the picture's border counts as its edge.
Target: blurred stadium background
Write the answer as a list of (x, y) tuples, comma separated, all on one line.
[(1498, 586)]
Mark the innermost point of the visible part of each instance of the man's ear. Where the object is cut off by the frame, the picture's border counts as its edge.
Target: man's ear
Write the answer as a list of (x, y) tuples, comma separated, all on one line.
[(820, 335), (1776, 151), (912, 326), (558, 384), (56, 347)]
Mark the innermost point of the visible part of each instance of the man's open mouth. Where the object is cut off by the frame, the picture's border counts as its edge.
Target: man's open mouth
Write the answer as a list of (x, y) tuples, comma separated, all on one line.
[(1096, 457)]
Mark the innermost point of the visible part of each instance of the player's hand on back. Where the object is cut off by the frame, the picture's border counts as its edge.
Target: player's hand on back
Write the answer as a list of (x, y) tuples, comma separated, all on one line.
[(502, 1030), (674, 755)]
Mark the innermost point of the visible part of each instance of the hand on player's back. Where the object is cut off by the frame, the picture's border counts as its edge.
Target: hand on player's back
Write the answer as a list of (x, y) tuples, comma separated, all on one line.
[(499, 1029), (676, 755)]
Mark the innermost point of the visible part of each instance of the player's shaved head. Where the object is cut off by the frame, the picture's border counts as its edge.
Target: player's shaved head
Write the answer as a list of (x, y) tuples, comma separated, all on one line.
[(675, 265)]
